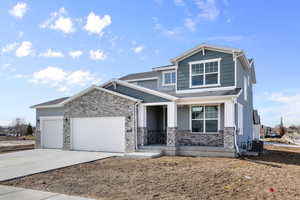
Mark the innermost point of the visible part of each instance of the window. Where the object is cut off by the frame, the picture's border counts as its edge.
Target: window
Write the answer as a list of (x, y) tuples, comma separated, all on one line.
[(245, 88), (205, 119), (204, 73), (169, 78)]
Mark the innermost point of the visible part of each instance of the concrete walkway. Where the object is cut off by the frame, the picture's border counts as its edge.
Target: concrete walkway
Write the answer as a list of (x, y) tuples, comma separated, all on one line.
[(22, 163), (281, 145), (13, 193)]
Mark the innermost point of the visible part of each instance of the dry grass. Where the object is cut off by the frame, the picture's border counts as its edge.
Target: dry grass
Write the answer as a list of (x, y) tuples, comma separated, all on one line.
[(275, 175)]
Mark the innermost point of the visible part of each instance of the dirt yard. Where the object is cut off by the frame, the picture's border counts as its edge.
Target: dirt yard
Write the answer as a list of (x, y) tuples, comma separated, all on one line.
[(275, 175)]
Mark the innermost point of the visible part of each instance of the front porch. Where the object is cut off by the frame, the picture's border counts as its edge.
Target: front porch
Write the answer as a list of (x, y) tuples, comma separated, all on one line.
[(187, 128)]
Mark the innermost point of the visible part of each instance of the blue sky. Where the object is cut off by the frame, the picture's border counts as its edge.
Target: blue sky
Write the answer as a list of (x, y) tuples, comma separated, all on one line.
[(50, 49)]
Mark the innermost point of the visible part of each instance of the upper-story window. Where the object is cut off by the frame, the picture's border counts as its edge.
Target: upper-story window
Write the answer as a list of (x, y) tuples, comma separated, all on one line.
[(205, 73), (169, 78)]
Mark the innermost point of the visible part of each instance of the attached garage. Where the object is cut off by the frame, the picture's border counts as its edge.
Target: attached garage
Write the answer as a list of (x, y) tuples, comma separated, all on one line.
[(96, 119), (98, 134), (51, 132)]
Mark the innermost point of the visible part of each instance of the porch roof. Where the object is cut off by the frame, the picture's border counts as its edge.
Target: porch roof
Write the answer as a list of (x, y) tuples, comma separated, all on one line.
[(232, 92)]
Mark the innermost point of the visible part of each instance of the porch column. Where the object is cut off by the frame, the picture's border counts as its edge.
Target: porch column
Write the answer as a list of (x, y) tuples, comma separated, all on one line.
[(172, 124), (229, 124), (142, 125)]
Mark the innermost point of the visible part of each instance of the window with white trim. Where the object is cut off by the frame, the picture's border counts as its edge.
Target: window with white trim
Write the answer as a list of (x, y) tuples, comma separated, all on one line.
[(169, 78), (245, 88), (205, 119), (205, 73)]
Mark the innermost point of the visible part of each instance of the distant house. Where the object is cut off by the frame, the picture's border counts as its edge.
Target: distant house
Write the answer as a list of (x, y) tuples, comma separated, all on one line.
[(200, 104)]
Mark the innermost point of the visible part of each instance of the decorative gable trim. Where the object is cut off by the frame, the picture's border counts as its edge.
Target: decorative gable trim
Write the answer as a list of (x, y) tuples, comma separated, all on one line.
[(202, 48)]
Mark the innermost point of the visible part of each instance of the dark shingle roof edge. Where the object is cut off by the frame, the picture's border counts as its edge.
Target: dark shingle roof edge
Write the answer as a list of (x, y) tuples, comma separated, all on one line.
[(141, 75), (52, 102)]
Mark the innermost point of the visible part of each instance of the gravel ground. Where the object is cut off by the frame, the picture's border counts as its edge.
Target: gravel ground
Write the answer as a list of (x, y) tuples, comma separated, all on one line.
[(275, 175)]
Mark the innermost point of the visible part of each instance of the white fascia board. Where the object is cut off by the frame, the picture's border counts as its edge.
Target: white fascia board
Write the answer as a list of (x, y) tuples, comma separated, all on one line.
[(212, 99), (164, 68), (147, 90), (141, 79), (203, 47), (61, 104), (77, 95), (205, 90), (47, 106)]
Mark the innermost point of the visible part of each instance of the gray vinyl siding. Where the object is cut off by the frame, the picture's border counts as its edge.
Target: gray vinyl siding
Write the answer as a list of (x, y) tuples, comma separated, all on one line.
[(146, 97), (183, 117), (49, 112), (247, 105), (151, 84), (226, 68)]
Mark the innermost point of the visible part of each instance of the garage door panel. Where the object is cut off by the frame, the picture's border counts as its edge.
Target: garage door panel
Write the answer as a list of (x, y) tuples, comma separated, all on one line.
[(52, 133), (99, 134)]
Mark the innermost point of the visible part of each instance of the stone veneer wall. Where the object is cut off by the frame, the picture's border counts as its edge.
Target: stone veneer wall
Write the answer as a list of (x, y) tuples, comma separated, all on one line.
[(172, 136), (229, 137), (98, 103), (187, 138)]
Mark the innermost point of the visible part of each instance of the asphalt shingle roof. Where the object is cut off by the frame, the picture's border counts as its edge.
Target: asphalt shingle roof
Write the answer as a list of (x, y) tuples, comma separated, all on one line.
[(140, 75), (52, 102)]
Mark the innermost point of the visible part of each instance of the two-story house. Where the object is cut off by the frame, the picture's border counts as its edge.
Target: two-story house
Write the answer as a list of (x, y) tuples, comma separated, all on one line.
[(200, 104)]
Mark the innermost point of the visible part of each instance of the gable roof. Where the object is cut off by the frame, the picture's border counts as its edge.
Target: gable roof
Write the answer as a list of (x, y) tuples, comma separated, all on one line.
[(140, 88), (203, 46), (62, 101), (50, 103)]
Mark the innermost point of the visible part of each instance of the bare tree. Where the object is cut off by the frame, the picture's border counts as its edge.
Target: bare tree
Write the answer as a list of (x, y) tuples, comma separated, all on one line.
[(19, 127)]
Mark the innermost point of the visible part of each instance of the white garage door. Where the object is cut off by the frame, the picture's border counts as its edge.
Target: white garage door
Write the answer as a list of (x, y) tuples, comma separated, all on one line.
[(98, 134), (52, 132)]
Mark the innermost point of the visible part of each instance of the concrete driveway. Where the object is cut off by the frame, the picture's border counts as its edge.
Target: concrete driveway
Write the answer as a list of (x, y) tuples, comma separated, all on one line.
[(13, 193), (22, 163)]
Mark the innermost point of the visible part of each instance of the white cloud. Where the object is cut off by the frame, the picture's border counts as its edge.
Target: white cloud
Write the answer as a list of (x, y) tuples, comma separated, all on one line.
[(208, 9), (190, 24), (51, 53), (24, 49), (138, 49), (9, 47), (49, 75), (75, 54), (165, 31), (62, 80), (179, 2), (95, 24), (97, 55), (280, 104), (59, 21), (19, 10)]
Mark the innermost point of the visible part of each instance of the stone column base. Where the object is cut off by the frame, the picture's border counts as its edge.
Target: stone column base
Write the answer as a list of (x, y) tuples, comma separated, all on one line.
[(229, 137), (171, 136)]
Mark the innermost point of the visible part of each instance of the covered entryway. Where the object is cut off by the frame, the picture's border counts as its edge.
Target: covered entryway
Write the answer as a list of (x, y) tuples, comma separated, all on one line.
[(52, 132), (105, 134)]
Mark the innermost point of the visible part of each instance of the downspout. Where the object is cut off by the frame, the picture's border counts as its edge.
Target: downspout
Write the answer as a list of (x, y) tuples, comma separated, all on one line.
[(235, 129), (136, 125)]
